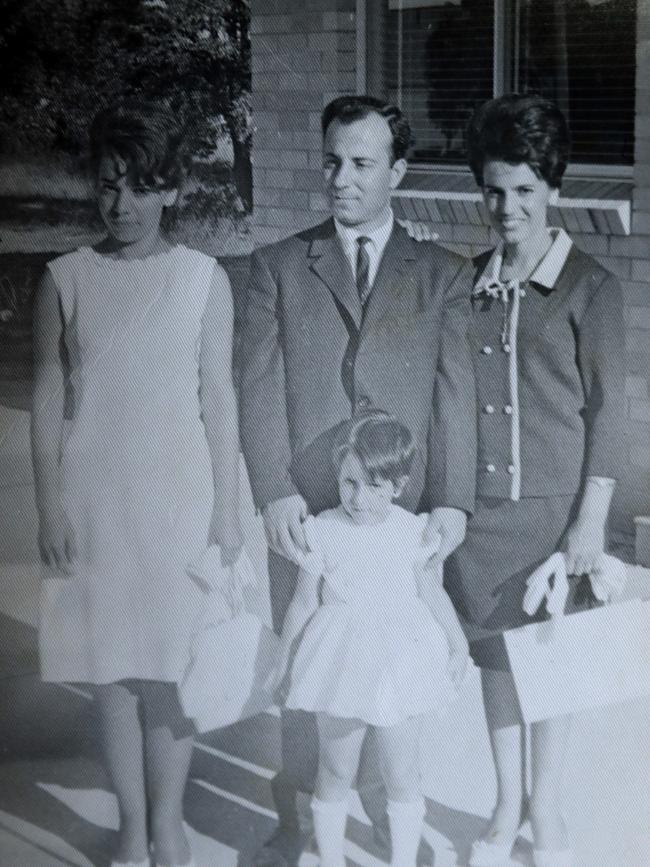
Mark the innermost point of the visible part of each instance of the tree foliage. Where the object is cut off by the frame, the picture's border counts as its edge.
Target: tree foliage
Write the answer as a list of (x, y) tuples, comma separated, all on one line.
[(61, 60)]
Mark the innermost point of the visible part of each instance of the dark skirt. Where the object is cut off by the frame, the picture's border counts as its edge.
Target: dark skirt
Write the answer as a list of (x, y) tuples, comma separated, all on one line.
[(486, 576)]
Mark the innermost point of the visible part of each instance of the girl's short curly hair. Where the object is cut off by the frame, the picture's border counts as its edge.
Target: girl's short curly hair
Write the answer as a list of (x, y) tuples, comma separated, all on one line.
[(520, 128), (384, 446), (145, 139)]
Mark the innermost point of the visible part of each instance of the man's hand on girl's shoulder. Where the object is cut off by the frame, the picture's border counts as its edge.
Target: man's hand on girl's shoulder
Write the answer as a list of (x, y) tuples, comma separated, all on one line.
[(283, 520)]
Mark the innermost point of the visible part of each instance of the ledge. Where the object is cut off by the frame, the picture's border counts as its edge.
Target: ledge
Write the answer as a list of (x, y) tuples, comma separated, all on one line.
[(597, 207)]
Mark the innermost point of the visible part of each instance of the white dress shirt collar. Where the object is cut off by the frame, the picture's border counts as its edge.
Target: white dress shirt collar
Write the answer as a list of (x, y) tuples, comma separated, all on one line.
[(378, 239)]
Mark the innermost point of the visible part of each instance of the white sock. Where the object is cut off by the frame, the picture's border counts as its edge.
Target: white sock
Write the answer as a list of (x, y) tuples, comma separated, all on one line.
[(330, 818), (405, 819)]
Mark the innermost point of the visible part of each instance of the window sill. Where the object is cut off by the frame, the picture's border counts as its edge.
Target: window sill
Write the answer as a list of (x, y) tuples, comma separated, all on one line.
[(589, 206)]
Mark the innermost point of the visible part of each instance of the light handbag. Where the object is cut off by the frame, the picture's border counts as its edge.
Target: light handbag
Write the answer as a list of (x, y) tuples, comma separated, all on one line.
[(581, 660), (233, 652)]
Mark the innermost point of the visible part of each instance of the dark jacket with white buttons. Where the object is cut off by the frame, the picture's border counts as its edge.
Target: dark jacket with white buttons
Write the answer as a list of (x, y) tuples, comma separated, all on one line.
[(312, 357), (571, 378)]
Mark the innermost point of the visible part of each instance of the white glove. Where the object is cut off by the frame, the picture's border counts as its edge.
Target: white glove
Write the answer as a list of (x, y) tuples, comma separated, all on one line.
[(607, 581)]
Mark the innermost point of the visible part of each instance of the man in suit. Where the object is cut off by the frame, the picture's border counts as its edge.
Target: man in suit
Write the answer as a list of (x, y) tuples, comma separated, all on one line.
[(344, 317)]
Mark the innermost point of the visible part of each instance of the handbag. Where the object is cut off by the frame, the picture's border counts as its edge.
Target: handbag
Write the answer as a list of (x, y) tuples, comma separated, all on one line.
[(581, 660), (232, 653)]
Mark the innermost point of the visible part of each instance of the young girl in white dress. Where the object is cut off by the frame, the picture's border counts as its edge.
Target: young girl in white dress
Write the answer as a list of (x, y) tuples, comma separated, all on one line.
[(384, 645), (140, 475)]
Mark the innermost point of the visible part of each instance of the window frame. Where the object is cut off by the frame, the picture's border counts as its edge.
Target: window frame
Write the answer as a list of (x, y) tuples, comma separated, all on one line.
[(504, 49)]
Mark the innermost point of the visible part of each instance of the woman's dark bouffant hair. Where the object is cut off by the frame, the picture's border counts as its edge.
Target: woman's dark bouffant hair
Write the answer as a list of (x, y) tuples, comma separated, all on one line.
[(145, 137), (347, 109), (520, 128), (383, 445)]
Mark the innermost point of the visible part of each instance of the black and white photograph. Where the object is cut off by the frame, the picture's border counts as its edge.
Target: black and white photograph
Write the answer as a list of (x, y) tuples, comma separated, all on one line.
[(324, 433)]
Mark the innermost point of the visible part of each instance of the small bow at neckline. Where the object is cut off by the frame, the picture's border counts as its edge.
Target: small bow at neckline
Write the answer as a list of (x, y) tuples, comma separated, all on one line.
[(495, 288), (502, 290)]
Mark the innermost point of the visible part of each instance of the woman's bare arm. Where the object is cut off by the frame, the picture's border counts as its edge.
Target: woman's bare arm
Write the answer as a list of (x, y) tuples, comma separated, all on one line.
[(219, 409), (56, 537)]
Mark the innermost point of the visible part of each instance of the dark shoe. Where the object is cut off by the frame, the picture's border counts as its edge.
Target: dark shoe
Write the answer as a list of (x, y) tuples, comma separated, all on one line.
[(283, 848)]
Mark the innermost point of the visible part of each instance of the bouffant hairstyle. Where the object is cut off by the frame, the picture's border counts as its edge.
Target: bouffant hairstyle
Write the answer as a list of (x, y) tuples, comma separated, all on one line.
[(383, 445), (518, 128), (144, 139), (347, 109)]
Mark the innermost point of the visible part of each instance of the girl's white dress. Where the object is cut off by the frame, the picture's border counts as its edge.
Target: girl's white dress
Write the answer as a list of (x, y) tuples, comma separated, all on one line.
[(136, 472), (373, 649)]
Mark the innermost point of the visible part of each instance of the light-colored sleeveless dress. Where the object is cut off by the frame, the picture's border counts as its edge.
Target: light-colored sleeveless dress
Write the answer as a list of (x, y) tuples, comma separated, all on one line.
[(373, 650), (136, 472)]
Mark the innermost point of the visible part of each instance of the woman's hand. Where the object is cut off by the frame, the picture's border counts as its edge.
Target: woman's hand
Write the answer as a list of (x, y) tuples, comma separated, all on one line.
[(230, 554), (586, 538), (56, 539), (585, 546), (277, 683), (228, 536)]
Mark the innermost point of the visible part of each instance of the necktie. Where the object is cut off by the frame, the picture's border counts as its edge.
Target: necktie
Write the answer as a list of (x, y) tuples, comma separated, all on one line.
[(363, 269)]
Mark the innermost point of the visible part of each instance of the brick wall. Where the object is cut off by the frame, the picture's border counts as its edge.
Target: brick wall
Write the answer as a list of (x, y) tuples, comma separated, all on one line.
[(303, 56)]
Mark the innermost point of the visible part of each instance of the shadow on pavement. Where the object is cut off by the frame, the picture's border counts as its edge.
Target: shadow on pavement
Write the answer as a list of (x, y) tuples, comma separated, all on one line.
[(51, 773)]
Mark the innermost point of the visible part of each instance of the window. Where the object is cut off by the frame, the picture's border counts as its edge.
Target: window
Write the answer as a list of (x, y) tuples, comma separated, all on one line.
[(438, 59)]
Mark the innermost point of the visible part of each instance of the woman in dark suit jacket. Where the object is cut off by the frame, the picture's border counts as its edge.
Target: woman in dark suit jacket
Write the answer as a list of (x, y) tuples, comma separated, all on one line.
[(547, 334)]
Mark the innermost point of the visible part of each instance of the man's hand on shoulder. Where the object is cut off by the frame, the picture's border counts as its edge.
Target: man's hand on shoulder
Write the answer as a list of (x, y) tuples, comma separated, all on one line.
[(283, 520), (451, 525), (418, 230)]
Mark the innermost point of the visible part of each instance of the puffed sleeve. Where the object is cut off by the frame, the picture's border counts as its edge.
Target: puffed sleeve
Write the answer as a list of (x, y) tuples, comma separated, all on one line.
[(601, 358), (423, 551)]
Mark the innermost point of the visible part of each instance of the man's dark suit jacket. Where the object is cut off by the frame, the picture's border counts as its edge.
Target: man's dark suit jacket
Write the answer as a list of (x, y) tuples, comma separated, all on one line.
[(311, 358)]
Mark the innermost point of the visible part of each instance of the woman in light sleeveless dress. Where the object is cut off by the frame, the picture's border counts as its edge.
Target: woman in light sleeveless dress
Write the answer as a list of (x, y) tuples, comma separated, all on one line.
[(140, 472)]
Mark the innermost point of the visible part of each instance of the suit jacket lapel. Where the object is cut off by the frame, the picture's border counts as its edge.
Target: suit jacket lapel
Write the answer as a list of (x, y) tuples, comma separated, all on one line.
[(394, 273), (328, 261)]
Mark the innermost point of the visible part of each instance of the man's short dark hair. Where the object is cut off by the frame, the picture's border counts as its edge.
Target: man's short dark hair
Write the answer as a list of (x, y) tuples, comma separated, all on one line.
[(347, 109)]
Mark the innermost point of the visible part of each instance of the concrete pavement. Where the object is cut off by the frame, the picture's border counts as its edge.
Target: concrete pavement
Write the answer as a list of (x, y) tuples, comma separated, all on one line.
[(55, 802)]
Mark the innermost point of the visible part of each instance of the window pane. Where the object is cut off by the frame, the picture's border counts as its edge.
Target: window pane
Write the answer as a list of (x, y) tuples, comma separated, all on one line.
[(433, 58), (436, 59), (581, 53)]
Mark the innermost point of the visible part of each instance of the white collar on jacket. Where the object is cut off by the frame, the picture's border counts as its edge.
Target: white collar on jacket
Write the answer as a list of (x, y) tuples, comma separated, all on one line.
[(545, 274)]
